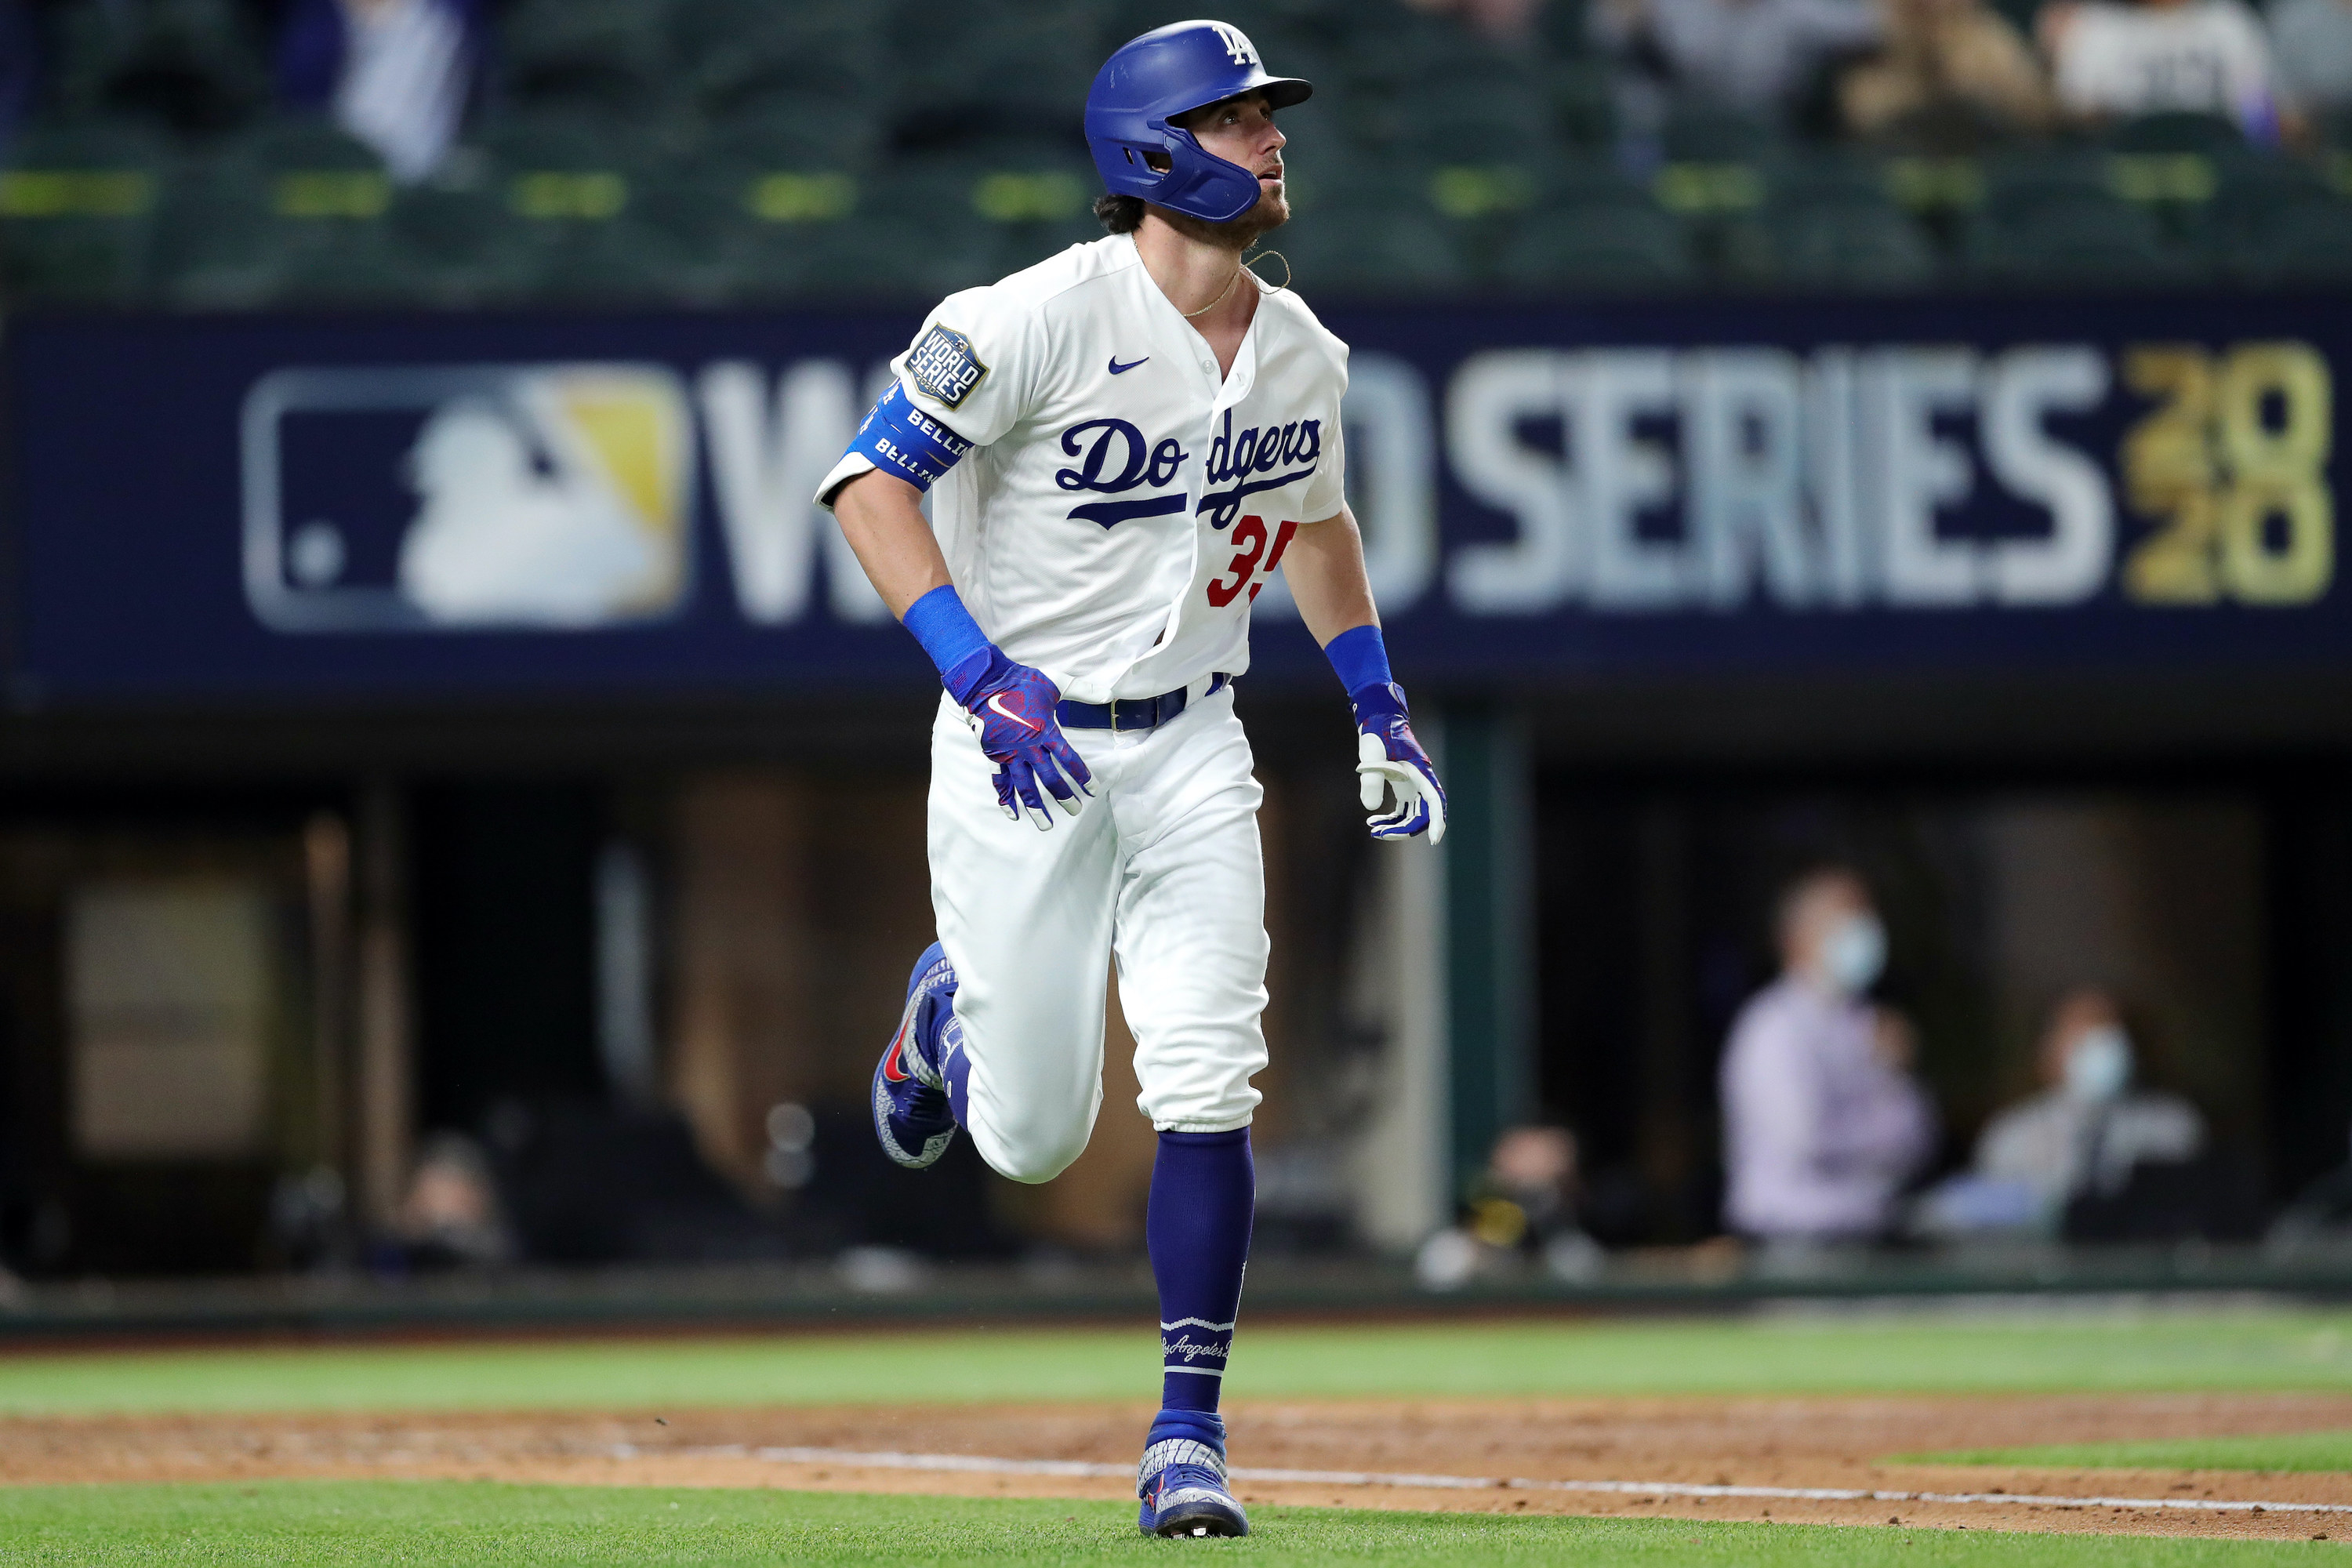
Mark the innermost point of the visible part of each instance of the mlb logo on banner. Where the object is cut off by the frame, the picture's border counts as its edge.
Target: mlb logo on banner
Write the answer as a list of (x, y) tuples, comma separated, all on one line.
[(548, 497)]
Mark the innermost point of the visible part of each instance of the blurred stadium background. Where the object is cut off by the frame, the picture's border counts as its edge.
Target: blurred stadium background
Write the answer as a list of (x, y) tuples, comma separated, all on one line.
[(1868, 457)]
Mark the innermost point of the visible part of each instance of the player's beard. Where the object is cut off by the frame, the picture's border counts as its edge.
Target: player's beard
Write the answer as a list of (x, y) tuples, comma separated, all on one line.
[(1237, 234)]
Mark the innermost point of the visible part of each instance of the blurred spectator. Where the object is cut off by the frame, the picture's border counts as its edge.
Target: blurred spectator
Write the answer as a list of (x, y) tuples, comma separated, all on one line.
[(1523, 1206), (1950, 70), (394, 73), (19, 64), (2320, 1218), (2088, 1128), (450, 1217), (1758, 56), (1495, 19), (309, 1227), (1821, 1120), (2116, 59), (2312, 42)]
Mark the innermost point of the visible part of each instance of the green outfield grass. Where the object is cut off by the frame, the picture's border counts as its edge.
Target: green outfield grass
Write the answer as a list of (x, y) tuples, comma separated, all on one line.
[(2239, 1351), (483, 1525), (2281, 1451)]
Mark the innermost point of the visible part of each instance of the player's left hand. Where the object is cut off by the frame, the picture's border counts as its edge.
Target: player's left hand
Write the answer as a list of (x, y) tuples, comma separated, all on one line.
[(1011, 712), (1388, 758)]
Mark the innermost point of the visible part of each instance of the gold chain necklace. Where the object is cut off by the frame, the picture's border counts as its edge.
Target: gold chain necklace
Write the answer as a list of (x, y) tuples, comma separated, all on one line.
[(1220, 299)]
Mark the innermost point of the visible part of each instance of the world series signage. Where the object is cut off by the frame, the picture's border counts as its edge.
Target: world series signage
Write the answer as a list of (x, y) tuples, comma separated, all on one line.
[(459, 504)]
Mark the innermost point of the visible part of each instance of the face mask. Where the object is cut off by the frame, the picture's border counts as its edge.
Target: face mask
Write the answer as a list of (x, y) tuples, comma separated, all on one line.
[(1854, 953), (2100, 1065)]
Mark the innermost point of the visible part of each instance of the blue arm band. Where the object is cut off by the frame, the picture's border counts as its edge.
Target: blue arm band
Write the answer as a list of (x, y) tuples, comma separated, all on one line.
[(953, 638), (1360, 657), (902, 440)]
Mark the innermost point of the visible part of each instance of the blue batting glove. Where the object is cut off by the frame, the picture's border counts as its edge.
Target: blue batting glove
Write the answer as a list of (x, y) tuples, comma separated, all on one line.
[(1011, 707), (1388, 758)]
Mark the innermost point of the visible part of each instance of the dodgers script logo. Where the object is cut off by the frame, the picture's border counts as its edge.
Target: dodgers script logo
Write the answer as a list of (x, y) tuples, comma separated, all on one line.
[(1115, 457), (1255, 450), (542, 497), (943, 365)]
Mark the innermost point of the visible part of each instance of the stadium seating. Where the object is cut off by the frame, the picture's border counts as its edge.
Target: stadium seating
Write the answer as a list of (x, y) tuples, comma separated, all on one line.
[(2299, 241), (456, 244), (759, 61), (77, 214), (189, 65), (1850, 250), (291, 210), (587, 56), (2093, 238), (700, 151), (1598, 229)]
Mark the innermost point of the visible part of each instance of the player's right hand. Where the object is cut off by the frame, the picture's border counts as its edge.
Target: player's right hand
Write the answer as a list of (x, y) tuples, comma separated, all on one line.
[(1012, 709)]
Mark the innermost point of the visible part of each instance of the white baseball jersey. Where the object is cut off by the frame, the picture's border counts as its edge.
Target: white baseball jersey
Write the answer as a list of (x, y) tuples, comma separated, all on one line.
[(1124, 504)]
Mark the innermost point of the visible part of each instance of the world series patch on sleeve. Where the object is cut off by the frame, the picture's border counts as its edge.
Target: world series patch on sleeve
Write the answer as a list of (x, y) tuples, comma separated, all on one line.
[(944, 366)]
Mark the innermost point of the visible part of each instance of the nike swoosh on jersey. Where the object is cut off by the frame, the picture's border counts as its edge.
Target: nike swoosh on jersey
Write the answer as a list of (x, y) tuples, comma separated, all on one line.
[(1119, 369), (995, 705)]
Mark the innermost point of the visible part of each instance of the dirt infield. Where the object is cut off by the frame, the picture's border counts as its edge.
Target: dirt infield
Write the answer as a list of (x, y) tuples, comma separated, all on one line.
[(1781, 1442)]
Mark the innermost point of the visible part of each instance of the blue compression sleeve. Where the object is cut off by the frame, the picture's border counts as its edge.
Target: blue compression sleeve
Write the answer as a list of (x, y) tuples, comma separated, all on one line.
[(902, 440), (1360, 657), (953, 639)]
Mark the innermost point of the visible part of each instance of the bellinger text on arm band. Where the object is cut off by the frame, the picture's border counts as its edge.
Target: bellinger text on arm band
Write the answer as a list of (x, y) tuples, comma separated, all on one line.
[(902, 440)]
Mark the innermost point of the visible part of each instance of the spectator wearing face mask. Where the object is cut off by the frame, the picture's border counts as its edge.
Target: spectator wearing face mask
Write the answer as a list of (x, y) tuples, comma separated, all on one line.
[(1822, 1121), (2088, 1127)]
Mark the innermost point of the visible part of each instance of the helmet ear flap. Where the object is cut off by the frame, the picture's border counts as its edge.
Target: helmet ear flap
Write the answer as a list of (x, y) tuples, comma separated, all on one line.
[(1200, 183)]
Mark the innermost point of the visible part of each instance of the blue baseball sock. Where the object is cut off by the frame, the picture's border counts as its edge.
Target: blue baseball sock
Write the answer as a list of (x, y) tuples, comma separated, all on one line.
[(1203, 1197)]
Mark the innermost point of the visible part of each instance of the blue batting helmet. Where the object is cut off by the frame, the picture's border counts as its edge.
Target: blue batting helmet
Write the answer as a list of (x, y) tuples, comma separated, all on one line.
[(1168, 72)]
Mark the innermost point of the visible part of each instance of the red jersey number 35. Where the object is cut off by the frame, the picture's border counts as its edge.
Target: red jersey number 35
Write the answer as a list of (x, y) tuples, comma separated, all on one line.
[(1249, 559)]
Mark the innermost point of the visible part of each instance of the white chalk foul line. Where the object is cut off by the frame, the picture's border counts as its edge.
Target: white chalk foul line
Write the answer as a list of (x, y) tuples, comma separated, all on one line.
[(984, 1465)]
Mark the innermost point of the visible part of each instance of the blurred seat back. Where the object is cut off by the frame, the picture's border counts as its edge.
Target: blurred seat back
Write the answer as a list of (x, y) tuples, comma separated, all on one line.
[(609, 57), (194, 65), (1597, 246), (218, 246), (1855, 249), (458, 243), (2090, 241), (748, 58), (2176, 130), (77, 214), (2298, 243)]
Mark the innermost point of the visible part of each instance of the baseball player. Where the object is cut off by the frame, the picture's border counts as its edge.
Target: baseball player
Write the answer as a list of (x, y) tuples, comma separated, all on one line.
[(1121, 444)]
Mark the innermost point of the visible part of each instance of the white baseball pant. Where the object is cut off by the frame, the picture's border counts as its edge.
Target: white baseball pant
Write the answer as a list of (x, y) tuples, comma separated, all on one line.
[(1162, 870)]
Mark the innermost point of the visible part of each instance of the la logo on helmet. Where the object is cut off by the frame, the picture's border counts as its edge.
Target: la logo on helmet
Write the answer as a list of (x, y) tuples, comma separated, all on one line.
[(1235, 45)]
